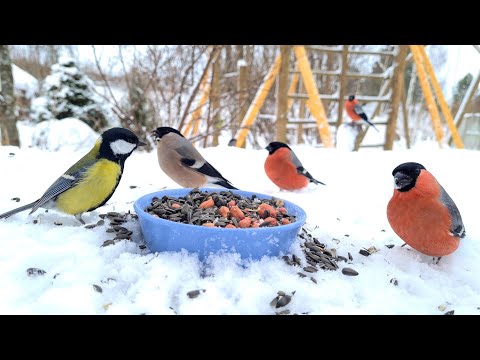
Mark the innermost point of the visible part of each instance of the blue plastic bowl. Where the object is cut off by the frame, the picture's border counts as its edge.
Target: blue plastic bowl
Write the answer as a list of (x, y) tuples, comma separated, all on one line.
[(254, 243)]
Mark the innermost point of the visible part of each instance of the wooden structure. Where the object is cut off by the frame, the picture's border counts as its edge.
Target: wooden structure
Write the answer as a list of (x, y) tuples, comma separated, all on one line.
[(302, 78), (314, 103)]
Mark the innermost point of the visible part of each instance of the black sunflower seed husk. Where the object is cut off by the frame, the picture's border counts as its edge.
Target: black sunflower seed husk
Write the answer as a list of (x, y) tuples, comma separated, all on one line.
[(186, 209)]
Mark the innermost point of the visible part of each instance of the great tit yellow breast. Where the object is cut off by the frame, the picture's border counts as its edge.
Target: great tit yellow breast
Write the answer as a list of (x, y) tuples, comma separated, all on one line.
[(97, 186)]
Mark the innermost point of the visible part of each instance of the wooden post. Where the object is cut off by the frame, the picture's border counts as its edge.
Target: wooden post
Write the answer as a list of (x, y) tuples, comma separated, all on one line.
[(197, 114), (301, 115), (215, 100), (291, 90), (202, 88), (427, 92), (343, 84), (242, 87), (441, 100), (405, 119), (315, 103), (465, 101), (258, 101), (398, 84), (282, 94)]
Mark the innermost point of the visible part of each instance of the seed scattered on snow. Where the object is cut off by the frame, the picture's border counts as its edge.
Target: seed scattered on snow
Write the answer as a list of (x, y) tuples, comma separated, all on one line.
[(364, 252), (451, 312), (91, 226), (35, 272), (394, 281), (442, 307), (100, 222), (97, 288), (194, 293), (58, 223), (17, 199), (390, 246), (349, 272), (108, 242)]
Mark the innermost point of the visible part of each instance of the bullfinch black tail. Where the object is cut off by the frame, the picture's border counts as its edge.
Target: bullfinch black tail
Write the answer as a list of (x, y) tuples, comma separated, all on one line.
[(316, 182), (371, 124), (17, 210), (304, 172)]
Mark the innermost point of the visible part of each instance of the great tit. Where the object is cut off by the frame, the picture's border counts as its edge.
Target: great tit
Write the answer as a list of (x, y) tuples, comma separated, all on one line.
[(92, 180), (183, 163)]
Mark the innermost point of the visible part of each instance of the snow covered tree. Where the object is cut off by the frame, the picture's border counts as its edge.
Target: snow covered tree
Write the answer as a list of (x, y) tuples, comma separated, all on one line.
[(67, 92), (8, 128)]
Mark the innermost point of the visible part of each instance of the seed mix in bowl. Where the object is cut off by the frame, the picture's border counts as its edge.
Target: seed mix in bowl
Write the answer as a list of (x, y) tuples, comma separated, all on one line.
[(221, 209)]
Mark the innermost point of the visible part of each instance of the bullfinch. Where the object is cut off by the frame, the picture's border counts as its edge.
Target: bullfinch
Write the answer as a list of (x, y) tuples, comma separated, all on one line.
[(90, 182), (284, 169), (356, 112), (422, 213), (183, 163)]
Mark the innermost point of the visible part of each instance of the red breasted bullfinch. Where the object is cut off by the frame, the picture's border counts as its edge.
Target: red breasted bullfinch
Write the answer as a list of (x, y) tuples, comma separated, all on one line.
[(284, 169), (422, 213), (356, 112), (183, 163)]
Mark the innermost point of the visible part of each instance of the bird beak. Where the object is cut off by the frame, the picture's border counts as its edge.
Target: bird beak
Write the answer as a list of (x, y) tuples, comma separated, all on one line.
[(141, 143), (268, 148), (401, 180)]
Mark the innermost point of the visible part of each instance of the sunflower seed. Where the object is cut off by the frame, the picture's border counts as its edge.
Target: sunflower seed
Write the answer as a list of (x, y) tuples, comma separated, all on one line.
[(194, 293), (390, 246), (97, 288), (350, 257), (296, 260), (58, 223), (283, 301), (108, 242), (142, 247), (301, 274), (451, 312), (17, 199), (394, 281), (110, 230), (364, 252), (91, 226), (100, 222), (120, 228), (35, 272), (133, 186), (313, 279), (349, 272), (310, 269)]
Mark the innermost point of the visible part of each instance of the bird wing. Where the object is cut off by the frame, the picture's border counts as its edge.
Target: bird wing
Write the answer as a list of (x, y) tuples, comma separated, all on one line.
[(358, 109), (192, 159), (68, 180), (456, 228), (301, 170)]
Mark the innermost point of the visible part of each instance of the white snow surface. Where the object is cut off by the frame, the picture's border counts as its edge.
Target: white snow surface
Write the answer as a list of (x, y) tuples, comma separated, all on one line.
[(24, 81), (69, 134), (348, 214)]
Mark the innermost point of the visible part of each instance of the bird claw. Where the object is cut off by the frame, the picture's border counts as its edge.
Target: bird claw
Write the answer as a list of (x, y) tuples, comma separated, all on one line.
[(438, 260)]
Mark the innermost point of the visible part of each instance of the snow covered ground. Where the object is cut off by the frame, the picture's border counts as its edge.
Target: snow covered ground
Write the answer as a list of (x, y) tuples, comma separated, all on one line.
[(349, 213)]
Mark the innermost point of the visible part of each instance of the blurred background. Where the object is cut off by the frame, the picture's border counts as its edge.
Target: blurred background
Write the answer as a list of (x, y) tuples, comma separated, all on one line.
[(210, 92)]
